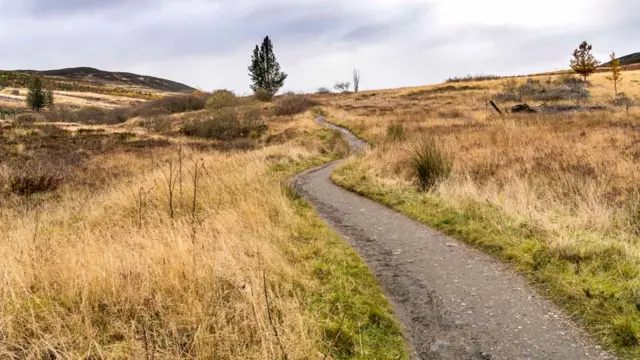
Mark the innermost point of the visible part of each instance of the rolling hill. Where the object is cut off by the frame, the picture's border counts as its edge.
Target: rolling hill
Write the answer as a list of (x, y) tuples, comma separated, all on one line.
[(87, 76), (630, 59)]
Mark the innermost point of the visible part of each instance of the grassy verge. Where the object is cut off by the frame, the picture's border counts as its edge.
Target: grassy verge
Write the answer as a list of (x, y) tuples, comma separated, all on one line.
[(354, 317), (597, 285)]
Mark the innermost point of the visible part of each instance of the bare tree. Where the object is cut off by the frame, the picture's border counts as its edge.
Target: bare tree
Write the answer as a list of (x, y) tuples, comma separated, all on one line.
[(342, 86), (356, 80)]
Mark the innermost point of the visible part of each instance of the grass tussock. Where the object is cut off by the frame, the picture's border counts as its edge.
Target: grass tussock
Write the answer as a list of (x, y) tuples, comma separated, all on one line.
[(430, 163)]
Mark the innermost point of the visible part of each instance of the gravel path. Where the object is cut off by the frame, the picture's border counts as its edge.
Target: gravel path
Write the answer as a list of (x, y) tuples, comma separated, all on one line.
[(454, 302)]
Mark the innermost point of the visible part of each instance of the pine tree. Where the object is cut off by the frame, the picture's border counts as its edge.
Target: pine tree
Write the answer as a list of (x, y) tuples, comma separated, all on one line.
[(36, 98), (265, 71), (583, 62), (616, 72)]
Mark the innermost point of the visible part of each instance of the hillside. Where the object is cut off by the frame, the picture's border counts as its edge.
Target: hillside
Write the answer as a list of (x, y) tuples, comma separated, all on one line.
[(630, 59), (93, 80)]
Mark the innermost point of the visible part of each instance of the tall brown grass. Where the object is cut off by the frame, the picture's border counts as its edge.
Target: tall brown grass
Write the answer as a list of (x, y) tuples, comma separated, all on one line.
[(574, 177), (123, 272)]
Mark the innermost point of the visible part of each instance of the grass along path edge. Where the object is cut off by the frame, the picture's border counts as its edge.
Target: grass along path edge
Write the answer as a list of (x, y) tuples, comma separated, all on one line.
[(348, 303), (596, 288)]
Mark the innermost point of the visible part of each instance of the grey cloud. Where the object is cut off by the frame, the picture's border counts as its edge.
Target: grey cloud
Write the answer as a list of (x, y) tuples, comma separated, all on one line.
[(53, 8), (143, 34)]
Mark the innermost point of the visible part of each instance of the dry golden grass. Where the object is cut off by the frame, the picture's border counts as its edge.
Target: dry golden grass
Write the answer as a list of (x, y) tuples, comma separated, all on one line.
[(573, 177), (74, 98), (134, 270)]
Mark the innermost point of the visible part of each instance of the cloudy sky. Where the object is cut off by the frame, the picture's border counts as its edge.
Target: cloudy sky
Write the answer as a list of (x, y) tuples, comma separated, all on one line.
[(394, 43)]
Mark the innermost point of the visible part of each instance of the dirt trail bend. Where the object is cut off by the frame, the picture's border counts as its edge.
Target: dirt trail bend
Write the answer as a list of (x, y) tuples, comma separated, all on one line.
[(453, 301)]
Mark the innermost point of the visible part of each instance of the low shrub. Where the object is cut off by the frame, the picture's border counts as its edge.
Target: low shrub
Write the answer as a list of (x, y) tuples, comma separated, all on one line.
[(430, 163), (160, 124), (32, 182), (25, 120), (52, 130), (221, 99), (479, 77), (59, 113), (263, 95), (226, 124), (124, 136), (7, 112), (119, 115), (293, 104), (181, 103), (169, 105), (90, 131), (91, 115), (323, 90), (564, 88)]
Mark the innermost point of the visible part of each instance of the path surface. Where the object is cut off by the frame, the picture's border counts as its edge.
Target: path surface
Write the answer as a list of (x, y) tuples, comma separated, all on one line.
[(454, 302)]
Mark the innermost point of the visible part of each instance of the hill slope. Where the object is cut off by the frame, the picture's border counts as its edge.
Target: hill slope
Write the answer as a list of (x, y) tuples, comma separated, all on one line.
[(96, 77), (630, 59)]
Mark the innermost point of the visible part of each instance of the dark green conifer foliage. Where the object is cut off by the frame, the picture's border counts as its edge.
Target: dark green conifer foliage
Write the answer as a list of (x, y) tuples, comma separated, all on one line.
[(265, 71)]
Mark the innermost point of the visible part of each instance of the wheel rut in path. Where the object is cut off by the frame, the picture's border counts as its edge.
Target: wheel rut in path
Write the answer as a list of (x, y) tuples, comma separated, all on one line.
[(453, 301)]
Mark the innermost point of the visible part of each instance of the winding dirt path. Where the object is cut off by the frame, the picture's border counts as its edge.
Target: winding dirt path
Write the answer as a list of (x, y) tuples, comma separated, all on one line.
[(453, 301)]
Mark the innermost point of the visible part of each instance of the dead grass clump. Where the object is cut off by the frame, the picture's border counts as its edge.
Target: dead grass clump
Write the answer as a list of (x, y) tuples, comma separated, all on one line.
[(293, 104)]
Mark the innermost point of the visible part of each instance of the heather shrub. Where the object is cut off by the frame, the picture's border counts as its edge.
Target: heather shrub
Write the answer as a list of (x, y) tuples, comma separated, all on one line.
[(262, 95), (226, 124), (293, 104), (221, 99), (25, 120)]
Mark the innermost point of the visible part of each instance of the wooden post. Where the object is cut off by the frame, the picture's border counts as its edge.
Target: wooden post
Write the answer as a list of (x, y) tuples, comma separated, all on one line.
[(495, 107)]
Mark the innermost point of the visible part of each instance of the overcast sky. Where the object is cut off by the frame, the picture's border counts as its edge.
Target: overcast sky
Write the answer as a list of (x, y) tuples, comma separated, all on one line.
[(394, 43)]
